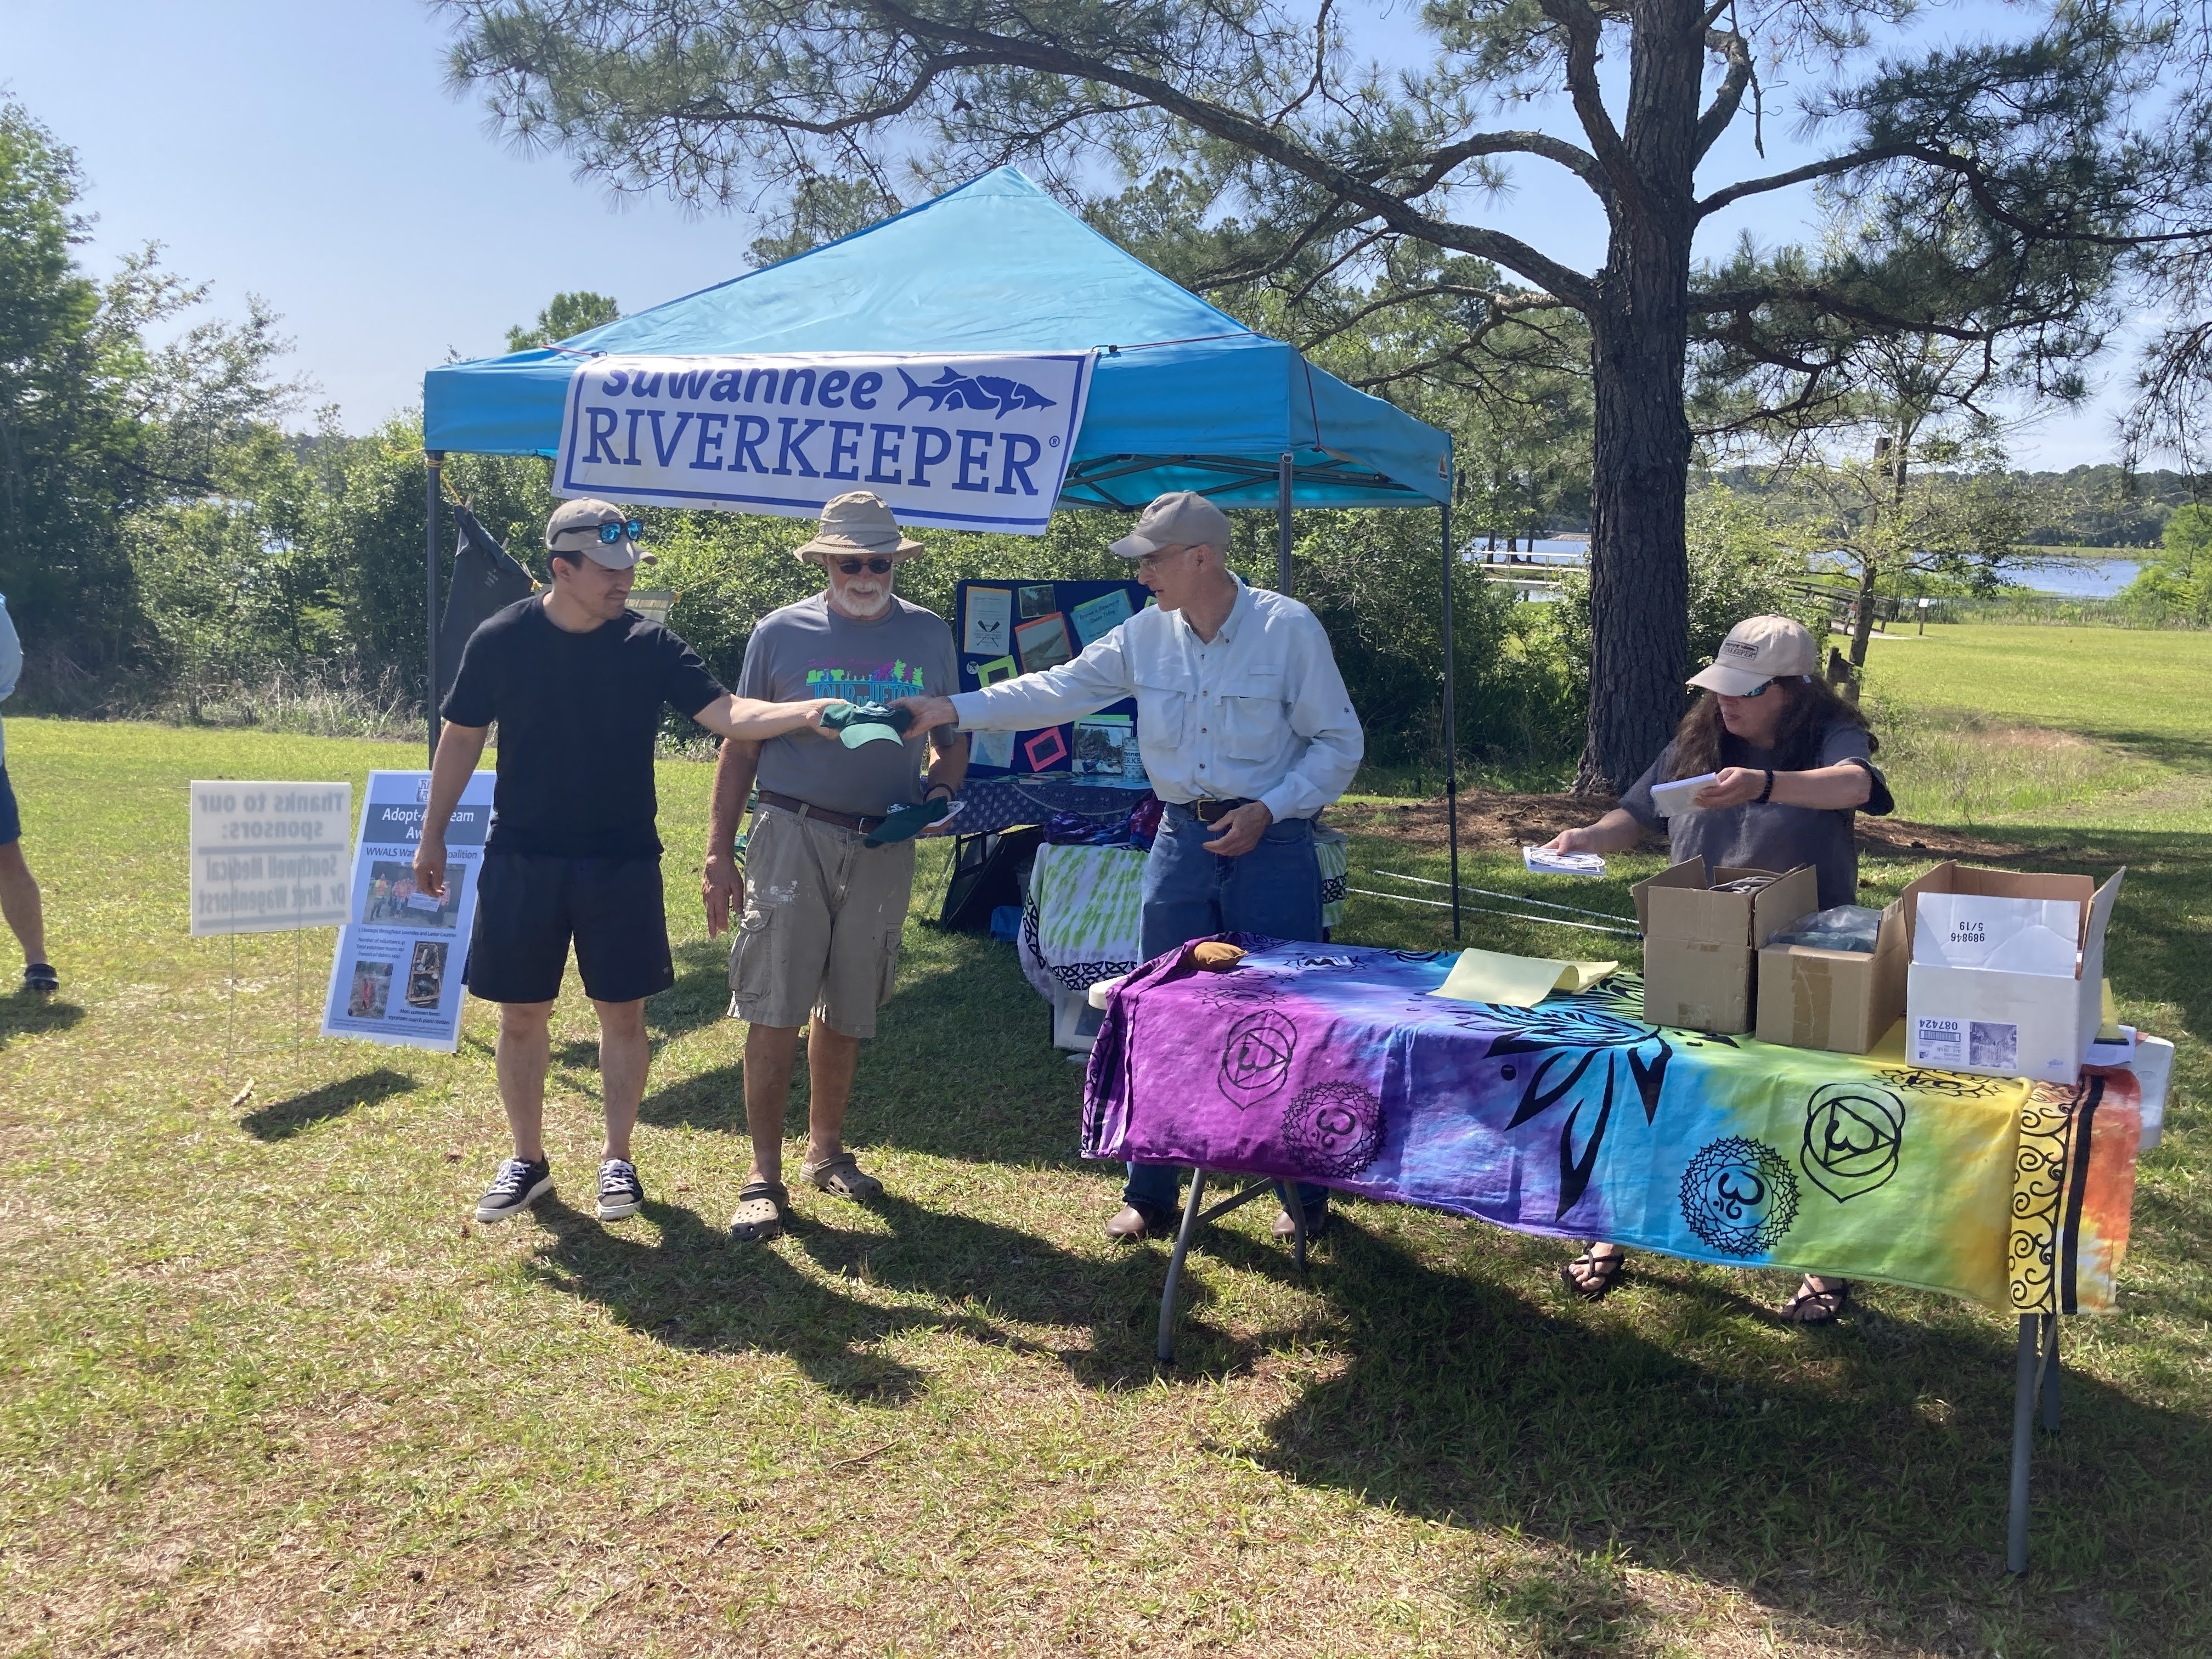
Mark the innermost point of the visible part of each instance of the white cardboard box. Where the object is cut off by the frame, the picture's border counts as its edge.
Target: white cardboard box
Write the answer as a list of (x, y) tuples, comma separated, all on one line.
[(1994, 1023)]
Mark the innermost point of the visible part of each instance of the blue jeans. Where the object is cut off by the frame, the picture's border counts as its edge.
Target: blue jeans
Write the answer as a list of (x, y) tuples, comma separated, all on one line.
[(1190, 893)]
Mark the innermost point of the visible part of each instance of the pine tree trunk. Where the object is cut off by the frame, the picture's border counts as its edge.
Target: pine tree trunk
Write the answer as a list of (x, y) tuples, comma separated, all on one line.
[(1639, 562)]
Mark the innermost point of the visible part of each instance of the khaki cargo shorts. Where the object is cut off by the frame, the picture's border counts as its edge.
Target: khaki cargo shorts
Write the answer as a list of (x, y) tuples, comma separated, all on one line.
[(820, 932)]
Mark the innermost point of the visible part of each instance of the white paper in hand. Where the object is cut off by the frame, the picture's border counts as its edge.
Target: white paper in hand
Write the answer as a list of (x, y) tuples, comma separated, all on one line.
[(1677, 796), (1544, 862)]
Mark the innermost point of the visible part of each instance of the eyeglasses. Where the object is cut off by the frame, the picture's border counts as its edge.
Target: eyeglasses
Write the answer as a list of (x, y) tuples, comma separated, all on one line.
[(1747, 696), (875, 566), (1151, 561)]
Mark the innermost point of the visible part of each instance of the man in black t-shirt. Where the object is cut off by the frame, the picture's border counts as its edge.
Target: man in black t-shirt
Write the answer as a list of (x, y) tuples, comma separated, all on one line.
[(576, 682)]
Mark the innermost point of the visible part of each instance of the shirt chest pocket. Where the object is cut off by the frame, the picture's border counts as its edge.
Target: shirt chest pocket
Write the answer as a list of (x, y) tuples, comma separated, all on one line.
[(1252, 717), (1165, 707)]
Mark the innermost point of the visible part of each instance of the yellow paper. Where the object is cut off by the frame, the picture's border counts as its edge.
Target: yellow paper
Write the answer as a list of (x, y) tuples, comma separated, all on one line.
[(1516, 981)]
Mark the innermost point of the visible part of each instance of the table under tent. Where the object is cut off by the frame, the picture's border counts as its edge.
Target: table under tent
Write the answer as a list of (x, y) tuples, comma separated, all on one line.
[(1172, 394)]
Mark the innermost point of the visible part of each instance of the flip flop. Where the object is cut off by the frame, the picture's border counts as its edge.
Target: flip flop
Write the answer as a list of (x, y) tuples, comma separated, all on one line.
[(760, 1211), (1836, 1301), (1604, 1273), (844, 1175)]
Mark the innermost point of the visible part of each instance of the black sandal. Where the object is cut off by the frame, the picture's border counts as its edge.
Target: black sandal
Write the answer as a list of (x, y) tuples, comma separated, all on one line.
[(40, 976), (1604, 1273), (1836, 1301), (760, 1211)]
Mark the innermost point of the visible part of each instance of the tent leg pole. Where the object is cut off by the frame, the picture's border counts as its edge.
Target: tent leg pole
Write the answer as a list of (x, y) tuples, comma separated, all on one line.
[(2023, 1432), (432, 459), (1282, 524), (1451, 731)]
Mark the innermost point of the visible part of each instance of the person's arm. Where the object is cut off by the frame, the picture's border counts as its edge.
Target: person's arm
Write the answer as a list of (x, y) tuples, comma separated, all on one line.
[(723, 887), (751, 720), (459, 749), (1321, 712), (1616, 832), (1082, 686), (11, 654), (1839, 787)]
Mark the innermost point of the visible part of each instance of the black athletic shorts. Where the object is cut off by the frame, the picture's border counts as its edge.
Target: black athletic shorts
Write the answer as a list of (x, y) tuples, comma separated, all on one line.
[(11, 824), (528, 908)]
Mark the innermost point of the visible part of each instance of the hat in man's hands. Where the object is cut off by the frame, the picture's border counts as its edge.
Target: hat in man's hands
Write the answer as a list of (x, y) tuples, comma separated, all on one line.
[(574, 528), (857, 524), (1182, 518), (1759, 649)]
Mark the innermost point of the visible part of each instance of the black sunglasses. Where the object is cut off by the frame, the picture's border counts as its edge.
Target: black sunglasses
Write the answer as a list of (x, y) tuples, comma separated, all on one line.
[(875, 566)]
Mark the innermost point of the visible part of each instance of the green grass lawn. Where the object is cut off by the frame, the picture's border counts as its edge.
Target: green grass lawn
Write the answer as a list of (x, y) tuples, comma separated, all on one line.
[(264, 1388)]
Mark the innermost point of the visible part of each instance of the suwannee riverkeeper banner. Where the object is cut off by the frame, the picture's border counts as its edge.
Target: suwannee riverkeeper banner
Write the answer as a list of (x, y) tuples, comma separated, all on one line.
[(968, 442)]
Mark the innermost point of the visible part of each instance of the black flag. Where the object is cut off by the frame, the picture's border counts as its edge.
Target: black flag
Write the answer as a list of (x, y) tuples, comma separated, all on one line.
[(485, 579)]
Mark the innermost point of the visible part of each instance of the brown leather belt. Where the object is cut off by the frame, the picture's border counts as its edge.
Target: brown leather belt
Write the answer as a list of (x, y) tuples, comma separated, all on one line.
[(808, 809), (1212, 812)]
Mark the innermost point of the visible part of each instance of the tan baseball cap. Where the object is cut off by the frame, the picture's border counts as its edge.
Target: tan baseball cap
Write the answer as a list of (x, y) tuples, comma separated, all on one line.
[(1182, 518), (1759, 649), (574, 528), (857, 522)]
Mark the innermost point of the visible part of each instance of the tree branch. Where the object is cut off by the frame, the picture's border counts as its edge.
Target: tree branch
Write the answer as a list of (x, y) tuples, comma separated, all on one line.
[(1572, 286), (1812, 170), (1730, 97), (1580, 22)]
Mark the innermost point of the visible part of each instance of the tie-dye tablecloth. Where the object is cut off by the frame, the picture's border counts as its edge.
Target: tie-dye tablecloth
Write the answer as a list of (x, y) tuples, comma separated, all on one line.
[(1577, 1119)]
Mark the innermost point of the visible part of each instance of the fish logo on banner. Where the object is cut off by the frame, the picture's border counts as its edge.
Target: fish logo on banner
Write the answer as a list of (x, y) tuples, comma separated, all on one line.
[(969, 442)]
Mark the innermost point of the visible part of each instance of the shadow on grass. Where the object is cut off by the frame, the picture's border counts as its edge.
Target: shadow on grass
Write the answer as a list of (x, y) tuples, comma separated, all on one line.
[(280, 1120), (29, 1013), (693, 1288), (1832, 1475)]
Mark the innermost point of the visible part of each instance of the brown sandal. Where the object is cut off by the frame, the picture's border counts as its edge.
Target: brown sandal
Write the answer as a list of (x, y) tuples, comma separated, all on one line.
[(844, 1175), (760, 1211), (1826, 1306)]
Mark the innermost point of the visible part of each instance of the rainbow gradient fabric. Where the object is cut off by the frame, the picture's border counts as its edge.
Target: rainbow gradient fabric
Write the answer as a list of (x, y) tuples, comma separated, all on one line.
[(1579, 1119)]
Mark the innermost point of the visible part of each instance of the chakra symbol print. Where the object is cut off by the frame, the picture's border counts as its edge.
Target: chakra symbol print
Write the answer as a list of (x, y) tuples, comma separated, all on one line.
[(1256, 1059), (1739, 1196), (1334, 1129), (1854, 1135)]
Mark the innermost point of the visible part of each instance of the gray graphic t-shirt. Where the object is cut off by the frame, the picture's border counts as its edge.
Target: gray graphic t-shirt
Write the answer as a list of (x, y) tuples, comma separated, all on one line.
[(808, 650)]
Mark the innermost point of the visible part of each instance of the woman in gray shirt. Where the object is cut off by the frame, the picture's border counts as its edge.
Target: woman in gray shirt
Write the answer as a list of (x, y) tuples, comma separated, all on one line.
[(1793, 763)]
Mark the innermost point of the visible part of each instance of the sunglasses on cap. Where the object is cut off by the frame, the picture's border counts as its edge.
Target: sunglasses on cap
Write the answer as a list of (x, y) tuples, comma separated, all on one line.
[(874, 567), (609, 534)]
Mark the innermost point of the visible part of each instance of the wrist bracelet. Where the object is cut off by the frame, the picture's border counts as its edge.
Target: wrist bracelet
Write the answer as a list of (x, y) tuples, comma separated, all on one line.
[(1769, 790)]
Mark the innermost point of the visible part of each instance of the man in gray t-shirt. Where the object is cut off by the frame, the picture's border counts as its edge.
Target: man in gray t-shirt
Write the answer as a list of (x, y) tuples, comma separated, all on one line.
[(818, 910)]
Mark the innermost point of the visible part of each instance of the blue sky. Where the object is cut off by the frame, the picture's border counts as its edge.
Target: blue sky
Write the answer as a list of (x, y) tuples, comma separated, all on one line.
[(310, 153)]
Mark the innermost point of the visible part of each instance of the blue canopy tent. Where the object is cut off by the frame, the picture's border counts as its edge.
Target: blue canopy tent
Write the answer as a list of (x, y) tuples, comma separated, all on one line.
[(1183, 395)]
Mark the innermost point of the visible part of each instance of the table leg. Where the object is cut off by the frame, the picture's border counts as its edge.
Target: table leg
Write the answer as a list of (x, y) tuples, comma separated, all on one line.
[(2023, 1430), (1183, 1235), (1297, 1207), (2050, 1373)]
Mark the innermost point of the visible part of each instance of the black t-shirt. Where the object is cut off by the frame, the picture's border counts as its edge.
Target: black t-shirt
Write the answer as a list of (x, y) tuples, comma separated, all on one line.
[(577, 716)]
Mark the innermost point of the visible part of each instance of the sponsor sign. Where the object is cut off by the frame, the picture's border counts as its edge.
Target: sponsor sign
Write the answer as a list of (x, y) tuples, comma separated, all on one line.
[(396, 976), (268, 857), (969, 442)]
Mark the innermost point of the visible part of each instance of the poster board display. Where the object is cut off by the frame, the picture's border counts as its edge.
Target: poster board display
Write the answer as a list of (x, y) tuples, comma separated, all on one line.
[(268, 857), (1011, 627), (395, 977)]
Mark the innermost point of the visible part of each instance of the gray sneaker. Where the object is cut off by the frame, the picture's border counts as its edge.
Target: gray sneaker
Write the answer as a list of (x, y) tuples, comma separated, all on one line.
[(620, 1192), (514, 1189)]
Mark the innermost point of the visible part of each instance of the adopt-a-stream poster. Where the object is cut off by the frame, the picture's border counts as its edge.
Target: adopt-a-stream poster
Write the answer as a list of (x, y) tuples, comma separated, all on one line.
[(397, 976)]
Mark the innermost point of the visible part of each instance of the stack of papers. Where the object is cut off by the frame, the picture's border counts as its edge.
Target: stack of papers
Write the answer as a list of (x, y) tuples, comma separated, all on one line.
[(1545, 863), (1674, 798), (1516, 981)]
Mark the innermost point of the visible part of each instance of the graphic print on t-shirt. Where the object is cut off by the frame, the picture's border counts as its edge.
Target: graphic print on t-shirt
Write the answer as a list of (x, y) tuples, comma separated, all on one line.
[(864, 682)]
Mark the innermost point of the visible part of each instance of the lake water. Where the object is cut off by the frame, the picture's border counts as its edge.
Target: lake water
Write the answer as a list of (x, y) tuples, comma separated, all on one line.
[(2091, 579)]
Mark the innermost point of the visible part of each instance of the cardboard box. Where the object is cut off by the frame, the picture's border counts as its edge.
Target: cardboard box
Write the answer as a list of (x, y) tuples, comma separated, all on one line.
[(1996, 1023), (1700, 948), (1844, 1001)]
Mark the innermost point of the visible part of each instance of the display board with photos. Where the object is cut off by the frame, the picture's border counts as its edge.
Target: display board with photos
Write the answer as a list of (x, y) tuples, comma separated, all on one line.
[(1005, 628)]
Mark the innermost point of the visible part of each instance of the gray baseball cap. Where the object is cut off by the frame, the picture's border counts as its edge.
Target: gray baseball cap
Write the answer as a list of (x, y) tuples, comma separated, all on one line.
[(1182, 518), (1759, 649), (574, 528)]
